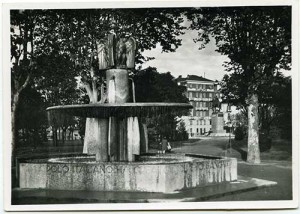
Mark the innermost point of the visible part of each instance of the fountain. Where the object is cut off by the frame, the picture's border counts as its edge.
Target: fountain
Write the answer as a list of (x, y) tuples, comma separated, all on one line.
[(115, 154)]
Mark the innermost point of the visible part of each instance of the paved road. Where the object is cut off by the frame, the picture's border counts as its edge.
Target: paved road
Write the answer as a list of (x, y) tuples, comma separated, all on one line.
[(274, 170)]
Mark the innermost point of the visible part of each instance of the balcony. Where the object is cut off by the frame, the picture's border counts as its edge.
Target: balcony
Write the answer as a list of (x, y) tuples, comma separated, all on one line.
[(200, 99), (201, 108), (192, 89)]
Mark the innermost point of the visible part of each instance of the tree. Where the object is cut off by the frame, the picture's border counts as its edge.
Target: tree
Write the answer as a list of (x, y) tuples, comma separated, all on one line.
[(82, 33), (44, 70), (23, 27), (69, 39), (57, 84), (257, 41), (270, 97), (31, 118), (78, 33), (182, 133)]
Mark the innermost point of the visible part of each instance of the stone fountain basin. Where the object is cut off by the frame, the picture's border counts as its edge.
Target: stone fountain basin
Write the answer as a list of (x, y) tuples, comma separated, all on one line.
[(156, 173), (105, 110)]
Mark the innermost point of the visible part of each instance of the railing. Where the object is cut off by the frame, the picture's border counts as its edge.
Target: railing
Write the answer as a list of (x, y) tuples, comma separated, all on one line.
[(200, 89), (201, 108), (200, 99)]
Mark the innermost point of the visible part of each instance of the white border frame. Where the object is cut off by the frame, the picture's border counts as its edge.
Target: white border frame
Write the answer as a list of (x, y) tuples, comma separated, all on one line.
[(147, 206)]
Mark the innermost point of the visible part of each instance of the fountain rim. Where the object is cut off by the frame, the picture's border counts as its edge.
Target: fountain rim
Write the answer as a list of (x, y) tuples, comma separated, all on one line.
[(168, 159), (109, 105)]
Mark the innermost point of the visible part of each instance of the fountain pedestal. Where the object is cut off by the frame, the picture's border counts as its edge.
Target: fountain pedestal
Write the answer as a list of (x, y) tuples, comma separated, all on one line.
[(114, 138), (217, 123)]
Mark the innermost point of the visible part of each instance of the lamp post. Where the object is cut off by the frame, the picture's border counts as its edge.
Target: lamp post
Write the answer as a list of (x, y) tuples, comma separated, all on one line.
[(229, 125)]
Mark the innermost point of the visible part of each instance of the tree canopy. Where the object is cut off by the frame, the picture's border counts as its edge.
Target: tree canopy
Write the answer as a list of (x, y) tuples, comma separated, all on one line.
[(49, 48), (257, 40), (152, 86)]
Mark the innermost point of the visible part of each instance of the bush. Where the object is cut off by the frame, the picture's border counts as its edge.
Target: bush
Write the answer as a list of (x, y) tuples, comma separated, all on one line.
[(239, 133), (265, 142)]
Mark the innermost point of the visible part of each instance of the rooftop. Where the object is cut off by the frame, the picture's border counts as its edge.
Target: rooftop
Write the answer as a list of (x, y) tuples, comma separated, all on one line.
[(193, 77)]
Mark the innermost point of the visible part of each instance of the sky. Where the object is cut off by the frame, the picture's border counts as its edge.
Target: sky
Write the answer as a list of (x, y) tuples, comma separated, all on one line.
[(188, 59)]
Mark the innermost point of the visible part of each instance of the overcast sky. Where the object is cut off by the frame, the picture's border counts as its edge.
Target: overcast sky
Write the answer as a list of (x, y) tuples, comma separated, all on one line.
[(188, 59)]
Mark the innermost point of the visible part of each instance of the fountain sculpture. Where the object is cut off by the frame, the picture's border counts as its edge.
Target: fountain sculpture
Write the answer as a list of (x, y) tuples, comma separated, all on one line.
[(116, 144)]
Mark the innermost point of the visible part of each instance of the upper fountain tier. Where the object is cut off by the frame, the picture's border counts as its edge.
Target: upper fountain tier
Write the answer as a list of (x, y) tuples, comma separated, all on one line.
[(105, 110)]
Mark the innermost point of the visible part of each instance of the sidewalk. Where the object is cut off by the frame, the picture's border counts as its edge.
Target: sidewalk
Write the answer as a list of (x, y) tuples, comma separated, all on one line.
[(205, 193), (275, 165)]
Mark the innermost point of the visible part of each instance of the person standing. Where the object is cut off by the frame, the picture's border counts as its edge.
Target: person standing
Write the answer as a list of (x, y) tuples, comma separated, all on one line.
[(164, 145)]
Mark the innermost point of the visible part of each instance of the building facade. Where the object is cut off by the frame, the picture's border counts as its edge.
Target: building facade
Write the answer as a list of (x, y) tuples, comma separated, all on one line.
[(200, 92)]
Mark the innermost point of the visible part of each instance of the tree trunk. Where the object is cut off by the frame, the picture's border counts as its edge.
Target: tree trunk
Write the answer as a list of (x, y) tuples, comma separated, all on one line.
[(253, 130), (13, 124)]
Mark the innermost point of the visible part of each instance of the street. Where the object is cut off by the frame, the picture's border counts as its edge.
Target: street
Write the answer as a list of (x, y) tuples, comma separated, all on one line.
[(270, 169)]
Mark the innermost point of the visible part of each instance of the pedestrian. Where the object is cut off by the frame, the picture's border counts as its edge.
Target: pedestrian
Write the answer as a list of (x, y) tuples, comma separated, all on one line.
[(164, 145), (169, 148)]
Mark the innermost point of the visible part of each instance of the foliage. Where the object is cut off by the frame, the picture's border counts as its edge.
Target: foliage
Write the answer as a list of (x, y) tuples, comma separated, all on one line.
[(257, 40), (239, 133), (76, 33), (273, 97), (181, 131), (152, 86), (31, 118), (49, 48)]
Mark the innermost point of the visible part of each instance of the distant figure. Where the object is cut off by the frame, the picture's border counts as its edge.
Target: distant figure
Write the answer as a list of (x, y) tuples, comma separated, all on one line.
[(169, 148), (164, 145)]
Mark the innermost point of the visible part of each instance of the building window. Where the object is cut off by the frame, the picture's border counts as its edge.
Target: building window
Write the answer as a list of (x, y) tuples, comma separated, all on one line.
[(191, 122), (209, 122), (197, 130), (201, 131), (191, 130)]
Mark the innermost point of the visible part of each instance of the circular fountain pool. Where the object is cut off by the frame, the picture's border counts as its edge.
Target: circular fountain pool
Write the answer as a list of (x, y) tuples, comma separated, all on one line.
[(157, 173)]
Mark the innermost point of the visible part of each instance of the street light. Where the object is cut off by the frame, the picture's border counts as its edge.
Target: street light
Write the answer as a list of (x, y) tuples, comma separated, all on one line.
[(229, 124)]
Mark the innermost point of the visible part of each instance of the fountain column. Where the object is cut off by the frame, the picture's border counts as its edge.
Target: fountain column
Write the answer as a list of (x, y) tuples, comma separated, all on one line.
[(117, 92)]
